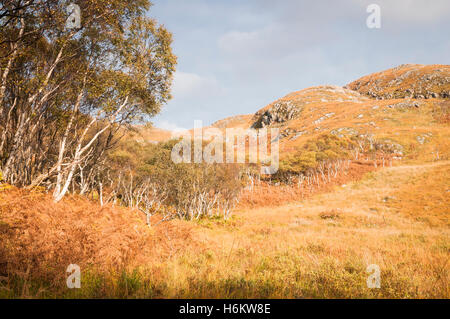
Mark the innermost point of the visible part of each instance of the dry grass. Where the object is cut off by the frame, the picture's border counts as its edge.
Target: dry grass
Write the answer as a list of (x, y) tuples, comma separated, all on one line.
[(270, 195), (290, 251), (425, 197), (40, 239)]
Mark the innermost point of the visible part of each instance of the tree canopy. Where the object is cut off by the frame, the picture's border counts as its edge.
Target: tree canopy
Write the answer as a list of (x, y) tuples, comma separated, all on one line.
[(66, 90)]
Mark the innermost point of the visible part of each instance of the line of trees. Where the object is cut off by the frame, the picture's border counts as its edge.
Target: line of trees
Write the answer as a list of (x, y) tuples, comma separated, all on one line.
[(66, 94), (322, 158), (146, 178)]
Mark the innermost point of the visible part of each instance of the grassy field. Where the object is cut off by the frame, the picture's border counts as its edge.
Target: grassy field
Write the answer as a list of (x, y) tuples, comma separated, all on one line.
[(320, 247)]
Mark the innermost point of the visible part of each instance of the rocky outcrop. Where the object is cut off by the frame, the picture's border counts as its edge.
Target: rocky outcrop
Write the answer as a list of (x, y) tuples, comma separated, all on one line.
[(406, 81), (280, 112), (408, 104), (291, 106)]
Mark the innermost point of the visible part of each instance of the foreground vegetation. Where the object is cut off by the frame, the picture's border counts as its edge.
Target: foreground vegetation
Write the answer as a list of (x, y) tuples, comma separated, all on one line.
[(317, 248)]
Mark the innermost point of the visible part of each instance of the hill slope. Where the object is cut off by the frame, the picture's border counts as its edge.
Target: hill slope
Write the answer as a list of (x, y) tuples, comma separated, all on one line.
[(406, 80), (408, 105)]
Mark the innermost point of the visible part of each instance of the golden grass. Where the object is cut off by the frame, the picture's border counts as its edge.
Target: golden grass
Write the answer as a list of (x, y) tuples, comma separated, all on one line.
[(315, 248), (40, 238), (270, 195)]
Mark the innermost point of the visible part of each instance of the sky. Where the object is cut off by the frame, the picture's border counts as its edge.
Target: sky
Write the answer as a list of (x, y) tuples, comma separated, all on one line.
[(237, 56)]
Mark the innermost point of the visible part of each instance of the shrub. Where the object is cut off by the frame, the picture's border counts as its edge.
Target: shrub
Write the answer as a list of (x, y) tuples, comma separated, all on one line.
[(309, 156), (441, 112), (155, 182)]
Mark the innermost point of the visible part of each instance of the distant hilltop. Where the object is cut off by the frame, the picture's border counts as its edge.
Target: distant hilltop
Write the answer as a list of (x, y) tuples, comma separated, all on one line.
[(406, 81), (363, 107)]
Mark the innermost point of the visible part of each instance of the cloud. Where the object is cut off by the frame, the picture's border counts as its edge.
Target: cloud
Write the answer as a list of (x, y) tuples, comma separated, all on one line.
[(240, 41), (411, 11), (189, 85), (418, 11), (274, 40)]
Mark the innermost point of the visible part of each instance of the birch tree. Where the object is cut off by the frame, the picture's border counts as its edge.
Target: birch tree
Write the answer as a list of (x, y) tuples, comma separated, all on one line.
[(63, 89)]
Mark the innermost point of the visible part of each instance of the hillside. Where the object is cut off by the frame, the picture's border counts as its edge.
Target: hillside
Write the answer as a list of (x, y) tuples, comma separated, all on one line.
[(419, 122), (405, 105), (372, 189), (406, 81), (150, 134), (242, 121)]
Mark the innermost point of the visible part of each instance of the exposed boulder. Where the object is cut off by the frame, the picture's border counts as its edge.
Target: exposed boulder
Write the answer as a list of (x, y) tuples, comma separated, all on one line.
[(280, 112)]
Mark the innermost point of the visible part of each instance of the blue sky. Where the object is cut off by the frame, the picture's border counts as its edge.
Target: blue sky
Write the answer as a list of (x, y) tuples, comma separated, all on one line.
[(235, 57)]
